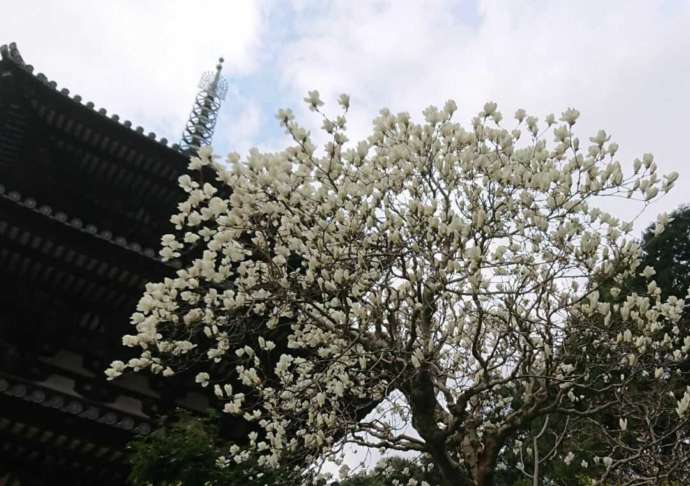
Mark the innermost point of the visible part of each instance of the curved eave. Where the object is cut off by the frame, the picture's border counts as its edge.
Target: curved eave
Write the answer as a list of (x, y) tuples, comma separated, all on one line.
[(76, 225), (61, 432), (10, 57), (94, 158), (98, 266)]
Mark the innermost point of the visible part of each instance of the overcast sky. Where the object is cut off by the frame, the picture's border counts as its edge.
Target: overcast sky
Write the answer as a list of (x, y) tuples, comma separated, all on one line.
[(625, 65)]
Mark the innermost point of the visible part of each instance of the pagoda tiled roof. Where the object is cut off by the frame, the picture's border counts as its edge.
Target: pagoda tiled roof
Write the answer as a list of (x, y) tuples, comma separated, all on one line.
[(94, 166), (77, 224), (73, 404), (10, 54), (84, 200), (57, 442), (73, 257)]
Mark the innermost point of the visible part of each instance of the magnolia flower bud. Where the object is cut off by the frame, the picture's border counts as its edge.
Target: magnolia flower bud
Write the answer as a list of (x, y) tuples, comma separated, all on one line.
[(344, 101), (313, 100), (202, 378), (570, 116), (490, 108)]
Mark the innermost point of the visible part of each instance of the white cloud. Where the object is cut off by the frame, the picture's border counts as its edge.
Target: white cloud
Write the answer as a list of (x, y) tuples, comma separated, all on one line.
[(623, 64), (139, 58), (241, 131)]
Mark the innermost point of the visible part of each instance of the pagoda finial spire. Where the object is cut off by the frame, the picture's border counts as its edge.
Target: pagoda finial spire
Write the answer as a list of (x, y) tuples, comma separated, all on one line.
[(202, 121)]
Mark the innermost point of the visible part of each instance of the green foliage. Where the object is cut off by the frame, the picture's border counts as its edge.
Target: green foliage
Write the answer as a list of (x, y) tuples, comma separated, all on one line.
[(669, 253), (184, 453), (553, 472), (390, 469)]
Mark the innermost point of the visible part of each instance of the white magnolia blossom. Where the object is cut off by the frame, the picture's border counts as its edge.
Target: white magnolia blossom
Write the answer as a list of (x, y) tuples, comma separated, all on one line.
[(202, 379), (569, 458), (623, 423), (469, 269), (684, 404)]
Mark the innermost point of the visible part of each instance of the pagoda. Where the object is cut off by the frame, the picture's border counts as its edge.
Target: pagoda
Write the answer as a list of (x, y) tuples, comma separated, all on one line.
[(84, 200)]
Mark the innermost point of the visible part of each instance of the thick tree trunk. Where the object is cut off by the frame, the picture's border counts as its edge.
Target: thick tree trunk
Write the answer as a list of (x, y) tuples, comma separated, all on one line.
[(450, 474), (485, 475), (422, 399), (485, 470)]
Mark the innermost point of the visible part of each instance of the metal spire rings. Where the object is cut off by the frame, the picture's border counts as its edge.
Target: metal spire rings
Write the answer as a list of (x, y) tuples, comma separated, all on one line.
[(202, 120)]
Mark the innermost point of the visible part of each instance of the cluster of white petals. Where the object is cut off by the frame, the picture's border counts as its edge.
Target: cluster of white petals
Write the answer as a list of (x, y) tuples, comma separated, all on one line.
[(452, 264)]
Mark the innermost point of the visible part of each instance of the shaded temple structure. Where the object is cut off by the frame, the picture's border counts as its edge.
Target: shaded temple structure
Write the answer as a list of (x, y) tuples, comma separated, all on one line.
[(84, 200)]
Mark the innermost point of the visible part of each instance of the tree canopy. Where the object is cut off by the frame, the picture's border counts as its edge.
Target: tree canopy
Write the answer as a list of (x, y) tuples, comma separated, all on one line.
[(669, 252), (465, 280)]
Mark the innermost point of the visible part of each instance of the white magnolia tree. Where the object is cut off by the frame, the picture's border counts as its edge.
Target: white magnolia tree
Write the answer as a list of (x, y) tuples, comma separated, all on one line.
[(467, 269)]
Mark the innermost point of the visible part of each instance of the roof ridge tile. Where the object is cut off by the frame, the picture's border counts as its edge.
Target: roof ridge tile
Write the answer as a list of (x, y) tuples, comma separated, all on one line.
[(11, 53), (76, 223)]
